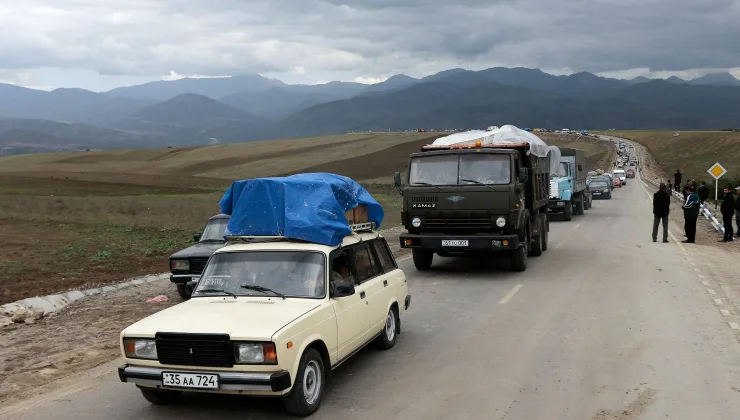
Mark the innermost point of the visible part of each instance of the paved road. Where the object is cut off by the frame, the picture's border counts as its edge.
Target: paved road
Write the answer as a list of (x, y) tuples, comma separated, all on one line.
[(605, 325)]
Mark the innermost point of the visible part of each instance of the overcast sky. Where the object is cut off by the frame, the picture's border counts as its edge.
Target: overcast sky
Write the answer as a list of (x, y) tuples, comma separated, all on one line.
[(101, 44)]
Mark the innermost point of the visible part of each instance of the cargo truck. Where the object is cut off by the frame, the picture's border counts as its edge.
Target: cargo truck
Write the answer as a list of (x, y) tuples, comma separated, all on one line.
[(568, 184), (477, 199)]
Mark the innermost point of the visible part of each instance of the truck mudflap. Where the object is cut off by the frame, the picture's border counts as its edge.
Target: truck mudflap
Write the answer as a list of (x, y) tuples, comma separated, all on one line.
[(459, 243)]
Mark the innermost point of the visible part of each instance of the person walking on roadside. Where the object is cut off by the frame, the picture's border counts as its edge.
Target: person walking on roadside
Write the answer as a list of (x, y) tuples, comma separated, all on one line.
[(661, 208), (703, 192), (737, 211), (677, 177), (727, 209), (670, 187), (690, 215)]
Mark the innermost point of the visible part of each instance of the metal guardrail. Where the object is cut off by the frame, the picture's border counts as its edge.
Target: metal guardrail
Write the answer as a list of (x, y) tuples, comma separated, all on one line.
[(704, 210)]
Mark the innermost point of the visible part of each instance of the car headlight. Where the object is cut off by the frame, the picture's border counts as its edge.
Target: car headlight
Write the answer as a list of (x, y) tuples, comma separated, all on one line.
[(179, 265), (140, 348), (606, 190), (416, 222), (255, 353), (500, 222)]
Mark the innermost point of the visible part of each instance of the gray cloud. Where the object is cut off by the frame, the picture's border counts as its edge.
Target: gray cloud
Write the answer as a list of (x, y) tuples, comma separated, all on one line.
[(313, 39)]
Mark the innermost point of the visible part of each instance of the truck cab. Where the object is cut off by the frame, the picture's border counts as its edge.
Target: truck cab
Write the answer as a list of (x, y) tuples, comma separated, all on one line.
[(477, 199)]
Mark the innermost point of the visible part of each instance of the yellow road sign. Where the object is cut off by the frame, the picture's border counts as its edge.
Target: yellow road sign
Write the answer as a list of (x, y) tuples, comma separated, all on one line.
[(717, 171)]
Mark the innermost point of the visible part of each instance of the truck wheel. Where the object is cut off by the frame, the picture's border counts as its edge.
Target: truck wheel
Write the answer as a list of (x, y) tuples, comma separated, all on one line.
[(160, 397), (536, 249), (580, 205), (184, 291), (546, 231), (568, 212), (308, 388), (422, 259), (519, 256)]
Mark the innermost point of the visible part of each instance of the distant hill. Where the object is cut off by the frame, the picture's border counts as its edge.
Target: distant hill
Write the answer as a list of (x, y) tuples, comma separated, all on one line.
[(399, 81), (716, 79), (214, 88), (189, 109)]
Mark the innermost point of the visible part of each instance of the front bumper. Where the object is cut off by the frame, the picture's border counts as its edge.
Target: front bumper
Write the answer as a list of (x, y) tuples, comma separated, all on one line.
[(184, 278), (433, 242), (228, 381), (557, 206)]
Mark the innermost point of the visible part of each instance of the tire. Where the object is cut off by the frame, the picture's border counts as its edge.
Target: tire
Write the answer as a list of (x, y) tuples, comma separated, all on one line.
[(184, 291), (160, 397), (536, 249), (387, 338), (519, 256), (568, 212), (308, 388), (580, 203), (546, 231), (422, 259)]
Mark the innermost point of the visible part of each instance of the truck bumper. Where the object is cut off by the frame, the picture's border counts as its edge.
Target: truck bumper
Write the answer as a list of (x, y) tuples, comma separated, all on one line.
[(433, 242), (557, 206)]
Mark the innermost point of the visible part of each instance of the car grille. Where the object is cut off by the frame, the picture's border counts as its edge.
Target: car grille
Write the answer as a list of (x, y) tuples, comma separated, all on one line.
[(458, 222), (198, 264), (214, 350)]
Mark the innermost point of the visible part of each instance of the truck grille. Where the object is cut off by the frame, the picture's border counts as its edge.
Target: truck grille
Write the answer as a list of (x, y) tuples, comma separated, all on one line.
[(553, 189), (214, 350), (459, 222), (198, 264), (430, 199)]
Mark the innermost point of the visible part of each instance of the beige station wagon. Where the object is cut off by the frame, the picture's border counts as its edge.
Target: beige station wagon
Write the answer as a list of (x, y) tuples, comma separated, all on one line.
[(270, 317)]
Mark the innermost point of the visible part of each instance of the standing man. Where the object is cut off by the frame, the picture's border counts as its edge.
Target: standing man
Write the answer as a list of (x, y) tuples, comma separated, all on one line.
[(727, 209), (661, 208), (690, 215), (703, 192), (670, 187), (737, 211), (677, 177)]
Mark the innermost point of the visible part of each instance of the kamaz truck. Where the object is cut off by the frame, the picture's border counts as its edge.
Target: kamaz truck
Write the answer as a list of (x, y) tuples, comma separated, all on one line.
[(477, 199), (568, 184)]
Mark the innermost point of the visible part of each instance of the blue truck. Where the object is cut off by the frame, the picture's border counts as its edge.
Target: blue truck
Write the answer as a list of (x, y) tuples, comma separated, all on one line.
[(568, 189)]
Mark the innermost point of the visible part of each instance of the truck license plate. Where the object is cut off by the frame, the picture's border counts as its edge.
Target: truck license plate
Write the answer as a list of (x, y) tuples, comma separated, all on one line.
[(190, 380), (458, 242)]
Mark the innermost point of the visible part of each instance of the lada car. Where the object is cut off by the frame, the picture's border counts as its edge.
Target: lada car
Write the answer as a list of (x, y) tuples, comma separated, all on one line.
[(270, 317)]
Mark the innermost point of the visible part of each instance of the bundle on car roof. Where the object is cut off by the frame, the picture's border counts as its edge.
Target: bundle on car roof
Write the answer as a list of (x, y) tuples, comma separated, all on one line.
[(314, 207)]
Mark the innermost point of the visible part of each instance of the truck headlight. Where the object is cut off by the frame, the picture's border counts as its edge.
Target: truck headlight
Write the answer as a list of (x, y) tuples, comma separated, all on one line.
[(140, 348), (179, 265), (416, 222), (255, 353), (500, 222)]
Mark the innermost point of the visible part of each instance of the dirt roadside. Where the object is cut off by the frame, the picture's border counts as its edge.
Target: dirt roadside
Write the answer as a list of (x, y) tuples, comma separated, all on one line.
[(85, 335)]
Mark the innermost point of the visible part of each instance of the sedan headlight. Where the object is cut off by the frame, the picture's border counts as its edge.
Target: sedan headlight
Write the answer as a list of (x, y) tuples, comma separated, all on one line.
[(179, 265), (500, 222), (140, 348), (416, 222), (606, 190), (255, 353)]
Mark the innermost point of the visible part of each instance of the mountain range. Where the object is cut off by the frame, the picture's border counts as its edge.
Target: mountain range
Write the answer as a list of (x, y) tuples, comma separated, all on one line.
[(251, 107)]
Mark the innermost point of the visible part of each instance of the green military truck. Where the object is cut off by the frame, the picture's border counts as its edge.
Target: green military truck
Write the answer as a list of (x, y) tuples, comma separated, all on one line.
[(477, 198)]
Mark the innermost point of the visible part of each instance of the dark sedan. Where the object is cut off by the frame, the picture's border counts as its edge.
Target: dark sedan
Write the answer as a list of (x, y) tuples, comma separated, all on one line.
[(600, 190)]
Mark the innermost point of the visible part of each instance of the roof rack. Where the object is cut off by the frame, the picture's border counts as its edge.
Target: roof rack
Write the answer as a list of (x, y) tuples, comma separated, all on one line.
[(363, 227), (358, 227)]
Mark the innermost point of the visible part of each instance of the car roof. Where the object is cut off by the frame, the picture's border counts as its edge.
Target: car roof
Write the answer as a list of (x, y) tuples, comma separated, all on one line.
[(220, 216), (291, 245)]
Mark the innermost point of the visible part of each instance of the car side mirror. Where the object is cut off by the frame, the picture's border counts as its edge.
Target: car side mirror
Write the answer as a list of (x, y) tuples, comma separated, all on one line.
[(523, 174), (196, 236), (342, 289)]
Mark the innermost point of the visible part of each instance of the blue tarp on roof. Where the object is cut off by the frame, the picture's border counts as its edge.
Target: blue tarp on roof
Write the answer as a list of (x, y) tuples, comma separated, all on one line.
[(308, 207)]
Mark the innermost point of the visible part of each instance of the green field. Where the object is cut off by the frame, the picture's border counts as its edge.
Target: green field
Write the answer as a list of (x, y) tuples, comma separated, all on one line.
[(80, 219)]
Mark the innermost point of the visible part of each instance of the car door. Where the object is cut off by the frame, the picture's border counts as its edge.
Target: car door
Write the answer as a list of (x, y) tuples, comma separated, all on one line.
[(351, 312), (369, 280), (394, 280)]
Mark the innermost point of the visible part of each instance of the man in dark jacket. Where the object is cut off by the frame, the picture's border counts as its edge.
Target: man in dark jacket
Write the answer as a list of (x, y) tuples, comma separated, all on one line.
[(690, 215), (728, 210), (703, 192), (661, 208), (737, 211), (677, 177)]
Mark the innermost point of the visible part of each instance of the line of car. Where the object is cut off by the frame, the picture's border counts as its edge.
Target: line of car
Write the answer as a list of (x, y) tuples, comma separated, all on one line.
[(602, 183)]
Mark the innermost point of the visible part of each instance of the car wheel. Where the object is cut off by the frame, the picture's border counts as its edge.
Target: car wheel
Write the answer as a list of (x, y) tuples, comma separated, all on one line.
[(308, 388), (184, 291), (422, 259), (568, 212), (160, 397), (387, 338)]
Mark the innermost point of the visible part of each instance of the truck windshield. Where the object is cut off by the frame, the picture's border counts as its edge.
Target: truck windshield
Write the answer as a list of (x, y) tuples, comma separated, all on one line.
[(214, 230), (291, 273), (465, 169), (562, 169)]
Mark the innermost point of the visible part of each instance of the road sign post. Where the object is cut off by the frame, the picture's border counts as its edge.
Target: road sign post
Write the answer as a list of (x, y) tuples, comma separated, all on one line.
[(716, 171)]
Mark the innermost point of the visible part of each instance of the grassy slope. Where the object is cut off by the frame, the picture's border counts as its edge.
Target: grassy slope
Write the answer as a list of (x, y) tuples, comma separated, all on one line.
[(69, 220)]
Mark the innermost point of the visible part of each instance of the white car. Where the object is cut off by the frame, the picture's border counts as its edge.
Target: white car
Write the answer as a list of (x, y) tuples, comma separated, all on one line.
[(619, 173), (270, 317)]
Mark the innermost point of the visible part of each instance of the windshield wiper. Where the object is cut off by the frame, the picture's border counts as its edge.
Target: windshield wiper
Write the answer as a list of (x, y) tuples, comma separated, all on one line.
[(431, 185), (262, 289), (477, 182), (216, 291)]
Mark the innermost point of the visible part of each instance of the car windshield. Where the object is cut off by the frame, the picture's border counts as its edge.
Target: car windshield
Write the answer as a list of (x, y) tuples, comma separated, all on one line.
[(460, 169), (598, 185), (214, 230), (299, 274)]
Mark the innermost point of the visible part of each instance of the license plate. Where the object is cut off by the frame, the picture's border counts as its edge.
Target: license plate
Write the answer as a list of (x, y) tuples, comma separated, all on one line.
[(597, 193), (190, 380), (459, 242)]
